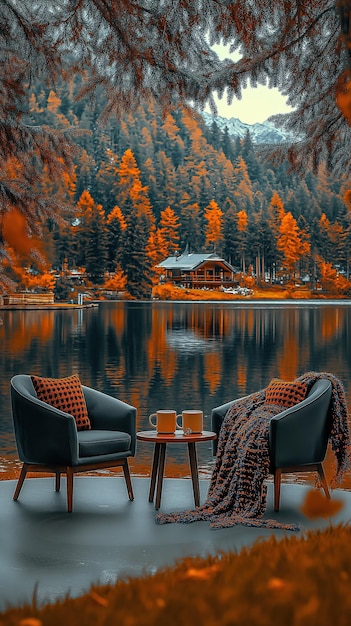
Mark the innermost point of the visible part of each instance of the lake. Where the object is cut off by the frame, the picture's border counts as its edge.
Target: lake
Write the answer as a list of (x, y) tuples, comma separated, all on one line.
[(176, 355)]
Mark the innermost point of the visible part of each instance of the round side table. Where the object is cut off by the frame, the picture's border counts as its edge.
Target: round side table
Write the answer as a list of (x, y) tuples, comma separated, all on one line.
[(158, 463)]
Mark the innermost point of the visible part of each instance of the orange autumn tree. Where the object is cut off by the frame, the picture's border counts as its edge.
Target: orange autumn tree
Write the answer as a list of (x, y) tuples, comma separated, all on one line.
[(38, 282), (276, 212), (169, 226), (91, 237), (243, 194), (25, 263), (163, 241), (116, 281), (292, 244), (156, 250), (133, 198), (332, 236), (214, 227), (331, 281)]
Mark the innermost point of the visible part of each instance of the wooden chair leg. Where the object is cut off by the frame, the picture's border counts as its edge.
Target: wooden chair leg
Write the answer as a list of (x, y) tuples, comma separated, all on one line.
[(128, 480), (277, 482), (57, 481), (20, 481), (323, 479), (69, 489)]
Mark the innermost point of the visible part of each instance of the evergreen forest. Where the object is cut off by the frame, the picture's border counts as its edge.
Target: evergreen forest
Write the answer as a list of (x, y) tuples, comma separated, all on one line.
[(150, 184)]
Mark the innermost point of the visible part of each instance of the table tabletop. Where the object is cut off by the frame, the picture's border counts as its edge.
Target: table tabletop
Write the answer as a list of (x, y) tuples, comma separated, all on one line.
[(178, 437)]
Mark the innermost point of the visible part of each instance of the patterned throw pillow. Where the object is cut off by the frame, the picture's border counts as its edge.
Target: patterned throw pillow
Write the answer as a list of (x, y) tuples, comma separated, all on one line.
[(65, 394), (285, 393)]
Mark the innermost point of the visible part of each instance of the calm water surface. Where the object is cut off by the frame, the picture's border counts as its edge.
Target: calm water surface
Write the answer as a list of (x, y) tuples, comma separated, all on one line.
[(173, 355)]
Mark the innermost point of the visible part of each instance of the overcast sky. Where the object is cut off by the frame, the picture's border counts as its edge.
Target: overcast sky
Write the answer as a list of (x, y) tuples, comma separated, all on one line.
[(256, 105)]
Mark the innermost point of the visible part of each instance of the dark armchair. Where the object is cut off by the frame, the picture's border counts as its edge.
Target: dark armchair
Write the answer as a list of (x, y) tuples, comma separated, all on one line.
[(48, 441), (298, 436)]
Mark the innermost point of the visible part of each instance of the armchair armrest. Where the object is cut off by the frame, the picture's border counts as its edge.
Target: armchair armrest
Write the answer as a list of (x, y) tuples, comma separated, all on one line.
[(44, 434), (217, 417), (109, 413)]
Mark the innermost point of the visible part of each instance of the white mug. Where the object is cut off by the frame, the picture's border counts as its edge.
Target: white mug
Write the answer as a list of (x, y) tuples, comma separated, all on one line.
[(166, 421), (192, 421)]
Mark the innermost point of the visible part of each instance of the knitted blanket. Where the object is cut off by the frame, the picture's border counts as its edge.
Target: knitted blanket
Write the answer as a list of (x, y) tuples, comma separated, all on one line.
[(238, 490)]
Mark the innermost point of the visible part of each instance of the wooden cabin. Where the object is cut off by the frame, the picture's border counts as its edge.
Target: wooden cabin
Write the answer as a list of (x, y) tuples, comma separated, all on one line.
[(196, 271)]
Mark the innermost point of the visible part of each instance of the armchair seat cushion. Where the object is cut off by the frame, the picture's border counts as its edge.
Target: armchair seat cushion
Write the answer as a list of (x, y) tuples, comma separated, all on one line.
[(102, 442)]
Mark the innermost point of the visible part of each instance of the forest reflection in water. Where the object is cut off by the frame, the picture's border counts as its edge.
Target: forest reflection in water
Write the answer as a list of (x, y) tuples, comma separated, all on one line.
[(174, 355)]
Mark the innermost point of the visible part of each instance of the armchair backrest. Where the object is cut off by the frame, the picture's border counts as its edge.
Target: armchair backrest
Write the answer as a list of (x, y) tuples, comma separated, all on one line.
[(40, 439), (299, 435), (22, 396)]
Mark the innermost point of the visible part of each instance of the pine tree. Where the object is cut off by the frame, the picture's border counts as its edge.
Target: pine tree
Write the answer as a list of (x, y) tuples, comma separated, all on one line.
[(227, 145), (243, 191), (65, 246), (250, 158), (242, 226), (91, 238), (262, 245), (135, 261), (165, 183), (106, 181), (214, 135), (231, 235), (116, 226), (191, 232), (95, 239)]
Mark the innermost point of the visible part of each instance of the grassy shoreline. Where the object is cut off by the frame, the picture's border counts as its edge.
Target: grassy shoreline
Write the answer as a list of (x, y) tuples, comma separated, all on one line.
[(292, 581), (168, 292), (269, 292)]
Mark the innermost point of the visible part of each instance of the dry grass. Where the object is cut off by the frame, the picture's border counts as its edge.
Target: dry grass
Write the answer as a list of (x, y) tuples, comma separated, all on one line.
[(292, 582), (269, 292)]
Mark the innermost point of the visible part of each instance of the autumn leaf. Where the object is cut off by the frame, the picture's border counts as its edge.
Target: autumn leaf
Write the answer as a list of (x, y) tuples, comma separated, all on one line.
[(276, 584), (98, 598), (317, 505), (203, 573)]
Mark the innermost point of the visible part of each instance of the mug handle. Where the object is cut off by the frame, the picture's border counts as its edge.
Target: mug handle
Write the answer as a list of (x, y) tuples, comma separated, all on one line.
[(180, 426), (150, 419)]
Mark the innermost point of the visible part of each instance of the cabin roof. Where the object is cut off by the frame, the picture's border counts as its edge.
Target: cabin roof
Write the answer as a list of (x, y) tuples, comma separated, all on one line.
[(192, 261)]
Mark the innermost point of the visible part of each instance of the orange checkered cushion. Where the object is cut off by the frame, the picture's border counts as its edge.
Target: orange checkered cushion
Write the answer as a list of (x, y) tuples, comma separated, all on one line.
[(65, 394), (285, 393)]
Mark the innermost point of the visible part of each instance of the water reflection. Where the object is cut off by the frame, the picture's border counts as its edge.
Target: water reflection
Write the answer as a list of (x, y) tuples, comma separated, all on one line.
[(173, 355)]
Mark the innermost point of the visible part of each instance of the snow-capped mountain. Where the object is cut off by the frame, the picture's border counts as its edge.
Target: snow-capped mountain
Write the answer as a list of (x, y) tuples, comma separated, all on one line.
[(260, 133)]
